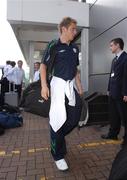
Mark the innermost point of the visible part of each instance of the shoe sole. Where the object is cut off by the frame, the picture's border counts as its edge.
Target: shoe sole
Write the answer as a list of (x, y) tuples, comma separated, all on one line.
[(63, 170)]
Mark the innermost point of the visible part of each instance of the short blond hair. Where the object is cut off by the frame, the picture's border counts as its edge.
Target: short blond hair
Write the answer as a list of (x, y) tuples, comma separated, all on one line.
[(66, 22)]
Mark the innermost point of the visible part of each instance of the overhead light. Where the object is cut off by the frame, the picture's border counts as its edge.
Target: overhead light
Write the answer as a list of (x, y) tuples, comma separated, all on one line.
[(81, 0)]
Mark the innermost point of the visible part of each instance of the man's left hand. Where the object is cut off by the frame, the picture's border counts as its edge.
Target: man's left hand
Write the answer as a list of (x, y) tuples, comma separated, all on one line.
[(80, 92)]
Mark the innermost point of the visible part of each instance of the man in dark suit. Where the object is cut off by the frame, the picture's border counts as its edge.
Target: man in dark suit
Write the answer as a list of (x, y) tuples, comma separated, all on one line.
[(117, 88)]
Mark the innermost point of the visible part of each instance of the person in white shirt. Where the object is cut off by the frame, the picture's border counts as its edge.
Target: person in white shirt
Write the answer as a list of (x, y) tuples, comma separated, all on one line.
[(36, 71), (7, 67), (19, 76), (7, 76), (10, 73)]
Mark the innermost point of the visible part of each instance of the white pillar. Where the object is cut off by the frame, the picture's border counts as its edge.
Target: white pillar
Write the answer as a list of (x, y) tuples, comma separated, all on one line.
[(84, 61), (31, 60)]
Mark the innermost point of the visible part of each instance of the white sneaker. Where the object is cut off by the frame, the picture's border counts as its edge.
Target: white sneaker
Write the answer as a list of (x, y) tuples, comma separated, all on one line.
[(61, 165)]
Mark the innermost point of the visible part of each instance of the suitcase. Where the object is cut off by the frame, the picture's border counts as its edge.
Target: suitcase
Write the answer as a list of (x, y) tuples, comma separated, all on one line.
[(11, 97)]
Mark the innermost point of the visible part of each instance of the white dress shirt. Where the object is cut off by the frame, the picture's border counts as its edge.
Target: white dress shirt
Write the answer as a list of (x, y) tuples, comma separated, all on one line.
[(10, 74), (19, 75), (36, 76), (6, 69), (118, 54)]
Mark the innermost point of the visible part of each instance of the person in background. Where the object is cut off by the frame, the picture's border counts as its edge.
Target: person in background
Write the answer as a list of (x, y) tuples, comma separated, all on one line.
[(119, 166), (10, 72), (4, 80), (7, 67), (65, 109), (118, 91), (19, 76), (10, 75), (36, 71)]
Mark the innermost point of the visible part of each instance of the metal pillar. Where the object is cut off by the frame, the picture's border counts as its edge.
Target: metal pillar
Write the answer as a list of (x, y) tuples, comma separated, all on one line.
[(84, 61)]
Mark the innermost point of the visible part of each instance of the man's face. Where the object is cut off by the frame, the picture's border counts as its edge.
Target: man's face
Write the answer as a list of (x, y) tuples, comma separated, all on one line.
[(70, 32), (114, 47), (20, 64), (36, 66)]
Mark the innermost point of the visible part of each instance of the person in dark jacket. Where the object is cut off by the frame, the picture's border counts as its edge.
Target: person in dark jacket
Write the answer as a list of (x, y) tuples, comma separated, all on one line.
[(119, 166), (117, 88), (65, 109)]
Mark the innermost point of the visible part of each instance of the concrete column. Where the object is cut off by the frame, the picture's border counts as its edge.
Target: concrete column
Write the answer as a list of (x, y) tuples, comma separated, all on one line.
[(84, 61), (31, 60)]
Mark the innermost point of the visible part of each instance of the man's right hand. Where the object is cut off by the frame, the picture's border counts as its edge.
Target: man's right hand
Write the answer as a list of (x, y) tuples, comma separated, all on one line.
[(45, 92)]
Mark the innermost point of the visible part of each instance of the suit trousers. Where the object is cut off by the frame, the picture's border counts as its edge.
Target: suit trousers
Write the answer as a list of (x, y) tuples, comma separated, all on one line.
[(58, 144), (4, 86), (118, 116)]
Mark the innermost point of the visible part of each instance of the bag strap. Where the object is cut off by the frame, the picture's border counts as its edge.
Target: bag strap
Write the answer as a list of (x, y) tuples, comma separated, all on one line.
[(52, 49)]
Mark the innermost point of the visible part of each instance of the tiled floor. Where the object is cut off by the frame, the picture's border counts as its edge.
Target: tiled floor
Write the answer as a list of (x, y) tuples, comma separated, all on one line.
[(25, 153)]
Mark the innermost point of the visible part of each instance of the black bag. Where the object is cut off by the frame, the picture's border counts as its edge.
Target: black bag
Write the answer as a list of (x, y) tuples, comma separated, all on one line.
[(10, 109), (32, 86), (32, 100), (34, 103)]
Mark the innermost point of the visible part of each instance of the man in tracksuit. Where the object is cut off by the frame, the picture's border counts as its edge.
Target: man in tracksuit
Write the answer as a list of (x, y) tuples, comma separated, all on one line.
[(66, 105)]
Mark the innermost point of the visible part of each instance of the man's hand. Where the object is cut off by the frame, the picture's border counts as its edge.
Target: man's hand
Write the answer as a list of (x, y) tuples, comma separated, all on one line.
[(80, 92), (78, 83), (45, 89), (45, 92), (125, 98)]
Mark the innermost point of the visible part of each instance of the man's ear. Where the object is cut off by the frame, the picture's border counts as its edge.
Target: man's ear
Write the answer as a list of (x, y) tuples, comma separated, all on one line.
[(64, 29), (118, 45)]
